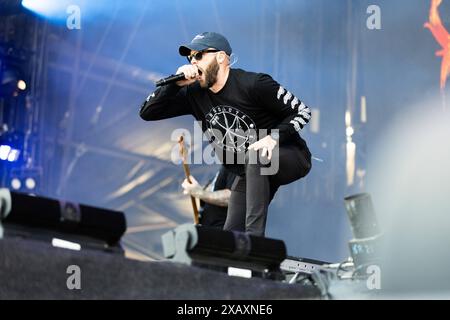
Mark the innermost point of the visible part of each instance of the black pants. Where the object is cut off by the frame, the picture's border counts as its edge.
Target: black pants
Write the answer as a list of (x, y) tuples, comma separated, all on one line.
[(251, 194)]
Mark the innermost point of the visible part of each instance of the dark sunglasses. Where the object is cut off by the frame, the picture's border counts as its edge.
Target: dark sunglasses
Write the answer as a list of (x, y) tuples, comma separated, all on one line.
[(199, 54)]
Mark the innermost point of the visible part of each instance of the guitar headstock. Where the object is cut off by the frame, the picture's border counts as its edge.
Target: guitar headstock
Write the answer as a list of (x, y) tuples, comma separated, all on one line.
[(183, 151)]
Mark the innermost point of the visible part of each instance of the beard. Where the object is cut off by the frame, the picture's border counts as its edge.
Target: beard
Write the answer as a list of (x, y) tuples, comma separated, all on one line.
[(210, 75)]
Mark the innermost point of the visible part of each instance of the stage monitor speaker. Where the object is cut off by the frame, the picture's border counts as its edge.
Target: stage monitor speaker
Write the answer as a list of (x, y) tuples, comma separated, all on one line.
[(27, 212), (196, 245)]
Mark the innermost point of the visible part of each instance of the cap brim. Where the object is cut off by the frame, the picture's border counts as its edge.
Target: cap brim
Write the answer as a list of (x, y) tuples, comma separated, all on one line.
[(185, 50)]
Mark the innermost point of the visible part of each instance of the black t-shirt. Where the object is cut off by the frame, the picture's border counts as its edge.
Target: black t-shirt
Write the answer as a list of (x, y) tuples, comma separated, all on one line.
[(233, 117), (210, 214)]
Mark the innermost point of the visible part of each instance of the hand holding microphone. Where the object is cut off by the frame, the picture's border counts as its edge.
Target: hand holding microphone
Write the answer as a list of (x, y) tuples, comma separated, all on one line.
[(185, 75)]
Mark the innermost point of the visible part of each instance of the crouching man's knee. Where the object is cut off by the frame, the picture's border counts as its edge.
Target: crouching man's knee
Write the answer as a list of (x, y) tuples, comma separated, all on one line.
[(254, 160)]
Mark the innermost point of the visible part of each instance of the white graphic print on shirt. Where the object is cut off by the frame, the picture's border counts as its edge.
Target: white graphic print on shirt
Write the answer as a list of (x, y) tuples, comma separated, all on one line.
[(230, 129)]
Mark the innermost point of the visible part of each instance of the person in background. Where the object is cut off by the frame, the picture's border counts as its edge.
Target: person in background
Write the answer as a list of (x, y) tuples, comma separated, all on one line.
[(214, 197)]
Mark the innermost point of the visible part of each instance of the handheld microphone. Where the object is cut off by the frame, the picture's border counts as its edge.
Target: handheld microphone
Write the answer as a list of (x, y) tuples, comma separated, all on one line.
[(170, 79)]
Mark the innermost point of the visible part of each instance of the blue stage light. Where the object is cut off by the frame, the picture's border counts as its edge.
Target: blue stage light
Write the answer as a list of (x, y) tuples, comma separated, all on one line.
[(13, 155), (4, 152), (52, 9), (8, 153)]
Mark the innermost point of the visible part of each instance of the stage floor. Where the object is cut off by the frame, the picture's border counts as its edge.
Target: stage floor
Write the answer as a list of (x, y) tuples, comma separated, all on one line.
[(35, 270)]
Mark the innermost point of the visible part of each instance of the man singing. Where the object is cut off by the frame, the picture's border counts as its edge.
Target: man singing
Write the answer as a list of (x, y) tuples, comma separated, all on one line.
[(233, 104)]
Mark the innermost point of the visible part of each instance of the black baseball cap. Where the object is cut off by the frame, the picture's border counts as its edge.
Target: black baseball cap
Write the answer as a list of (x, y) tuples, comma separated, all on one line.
[(204, 41)]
